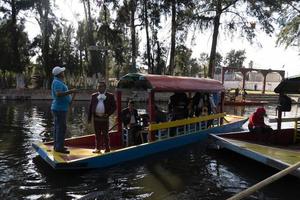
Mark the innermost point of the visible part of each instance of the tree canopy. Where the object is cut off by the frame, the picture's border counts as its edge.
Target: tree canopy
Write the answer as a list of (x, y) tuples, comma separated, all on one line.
[(117, 37)]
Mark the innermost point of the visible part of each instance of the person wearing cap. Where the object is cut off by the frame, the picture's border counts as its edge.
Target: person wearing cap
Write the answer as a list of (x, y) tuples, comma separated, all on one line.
[(59, 107), (102, 105), (257, 123)]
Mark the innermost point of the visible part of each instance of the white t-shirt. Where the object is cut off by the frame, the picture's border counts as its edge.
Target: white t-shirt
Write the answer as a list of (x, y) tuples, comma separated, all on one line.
[(100, 109), (132, 119)]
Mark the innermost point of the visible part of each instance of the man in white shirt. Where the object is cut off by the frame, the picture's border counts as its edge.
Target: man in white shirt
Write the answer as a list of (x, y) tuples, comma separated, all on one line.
[(102, 105)]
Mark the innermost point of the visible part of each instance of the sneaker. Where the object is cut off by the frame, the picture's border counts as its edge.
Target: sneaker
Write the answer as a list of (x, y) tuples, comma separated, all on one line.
[(96, 151)]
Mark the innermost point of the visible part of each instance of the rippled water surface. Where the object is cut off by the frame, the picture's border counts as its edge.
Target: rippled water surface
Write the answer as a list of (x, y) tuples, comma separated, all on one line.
[(192, 172)]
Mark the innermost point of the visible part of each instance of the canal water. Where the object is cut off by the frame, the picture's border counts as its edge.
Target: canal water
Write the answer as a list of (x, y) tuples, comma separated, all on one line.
[(192, 172)]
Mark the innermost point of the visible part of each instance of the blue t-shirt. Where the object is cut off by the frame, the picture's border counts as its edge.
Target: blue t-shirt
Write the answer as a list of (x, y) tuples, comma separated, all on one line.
[(59, 103)]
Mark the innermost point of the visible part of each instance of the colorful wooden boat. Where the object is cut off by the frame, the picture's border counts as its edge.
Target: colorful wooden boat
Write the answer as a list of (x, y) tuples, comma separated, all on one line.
[(187, 131), (246, 103), (279, 149)]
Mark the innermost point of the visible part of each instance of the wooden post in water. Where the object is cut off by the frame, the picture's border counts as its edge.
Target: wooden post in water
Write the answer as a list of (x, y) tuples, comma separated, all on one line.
[(265, 182)]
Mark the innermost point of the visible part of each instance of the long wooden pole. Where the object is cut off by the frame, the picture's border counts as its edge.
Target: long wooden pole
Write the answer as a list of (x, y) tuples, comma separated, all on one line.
[(265, 182)]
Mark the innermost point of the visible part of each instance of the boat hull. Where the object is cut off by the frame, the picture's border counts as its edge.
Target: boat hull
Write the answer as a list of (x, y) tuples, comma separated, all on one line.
[(277, 155), (62, 161), (246, 103)]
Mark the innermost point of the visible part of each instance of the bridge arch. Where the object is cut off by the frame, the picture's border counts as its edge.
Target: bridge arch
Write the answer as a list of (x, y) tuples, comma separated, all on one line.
[(244, 72)]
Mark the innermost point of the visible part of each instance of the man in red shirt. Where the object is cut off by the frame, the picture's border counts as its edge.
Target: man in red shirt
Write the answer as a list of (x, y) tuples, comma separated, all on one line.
[(256, 122)]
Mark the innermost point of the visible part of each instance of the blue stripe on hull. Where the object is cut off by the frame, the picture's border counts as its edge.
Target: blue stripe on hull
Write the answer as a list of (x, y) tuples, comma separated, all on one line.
[(43, 155)]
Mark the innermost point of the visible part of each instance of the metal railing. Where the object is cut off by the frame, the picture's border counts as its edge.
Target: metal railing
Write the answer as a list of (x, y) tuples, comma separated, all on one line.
[(165, 130)]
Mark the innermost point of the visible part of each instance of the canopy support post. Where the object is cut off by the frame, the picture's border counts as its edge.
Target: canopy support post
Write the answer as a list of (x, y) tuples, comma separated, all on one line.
[(279, 120), (119, 109), (151, 109), (222, 106)]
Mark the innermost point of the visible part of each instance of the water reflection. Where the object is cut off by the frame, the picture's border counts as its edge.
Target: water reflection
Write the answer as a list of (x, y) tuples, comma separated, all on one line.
[(192, 172)]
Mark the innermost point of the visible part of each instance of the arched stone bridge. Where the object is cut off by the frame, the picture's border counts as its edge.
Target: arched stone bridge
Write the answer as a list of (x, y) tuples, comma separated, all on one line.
[(244, 72)]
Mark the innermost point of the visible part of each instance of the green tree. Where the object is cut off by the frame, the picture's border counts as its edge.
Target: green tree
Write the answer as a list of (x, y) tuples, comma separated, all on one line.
[(239, 17), (15, 27), (183, 60), (81, 47), (235, 58), (181, 13), (145, 19), (204, 62), (290, 23), (93, 56), (195, 67), (125, 25), (155, 53), (46, 20), (7, 53)]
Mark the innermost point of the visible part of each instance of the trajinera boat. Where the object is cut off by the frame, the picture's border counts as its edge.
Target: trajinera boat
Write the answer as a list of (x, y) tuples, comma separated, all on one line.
[(189, 130), (246, 103), (281, 148)]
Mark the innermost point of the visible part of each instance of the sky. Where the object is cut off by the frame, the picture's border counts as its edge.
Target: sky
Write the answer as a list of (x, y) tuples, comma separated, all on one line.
[(264, 55)]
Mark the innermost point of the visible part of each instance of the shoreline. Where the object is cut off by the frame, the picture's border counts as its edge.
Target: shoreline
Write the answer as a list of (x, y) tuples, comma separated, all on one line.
[(84, 95)]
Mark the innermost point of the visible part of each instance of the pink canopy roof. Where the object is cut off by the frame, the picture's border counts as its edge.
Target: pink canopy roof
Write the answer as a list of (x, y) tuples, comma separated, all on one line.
[(163, 83)]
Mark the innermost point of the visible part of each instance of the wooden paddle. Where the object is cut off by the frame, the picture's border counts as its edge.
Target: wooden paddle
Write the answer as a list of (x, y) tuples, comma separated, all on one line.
[(265, 182)]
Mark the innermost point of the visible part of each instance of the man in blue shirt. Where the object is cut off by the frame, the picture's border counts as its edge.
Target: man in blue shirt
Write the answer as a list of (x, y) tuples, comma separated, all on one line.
[(60, 105)]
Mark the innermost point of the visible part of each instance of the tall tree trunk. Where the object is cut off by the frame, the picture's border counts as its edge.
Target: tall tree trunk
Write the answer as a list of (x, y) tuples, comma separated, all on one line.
[(93, 51), (105, 68), (159, 68), (43, 10), (86, 19), (133, 68), (150, 66), (81, 62), (212, 58), (173, 39), (20, 83)]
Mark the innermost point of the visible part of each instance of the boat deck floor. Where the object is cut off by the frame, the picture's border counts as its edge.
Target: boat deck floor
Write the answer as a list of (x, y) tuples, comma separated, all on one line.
[(288, 154), (76, 153)]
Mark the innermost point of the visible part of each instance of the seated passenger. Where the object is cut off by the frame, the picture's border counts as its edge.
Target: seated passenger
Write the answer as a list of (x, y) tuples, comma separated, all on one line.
[(256, 122), (244, 94), (178, 106), (197, 104), (160, 116), (207, 105), (204, 104), (130, 119), (236, 93)]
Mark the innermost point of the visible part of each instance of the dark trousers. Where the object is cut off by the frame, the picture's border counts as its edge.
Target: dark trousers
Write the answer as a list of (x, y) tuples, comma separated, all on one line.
[(60, 127), (134, 137), (263, 134), (101, 133)]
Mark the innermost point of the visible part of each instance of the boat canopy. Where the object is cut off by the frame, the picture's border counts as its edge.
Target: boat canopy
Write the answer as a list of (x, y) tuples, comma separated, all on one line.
[(289, 86), (164, 83)]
